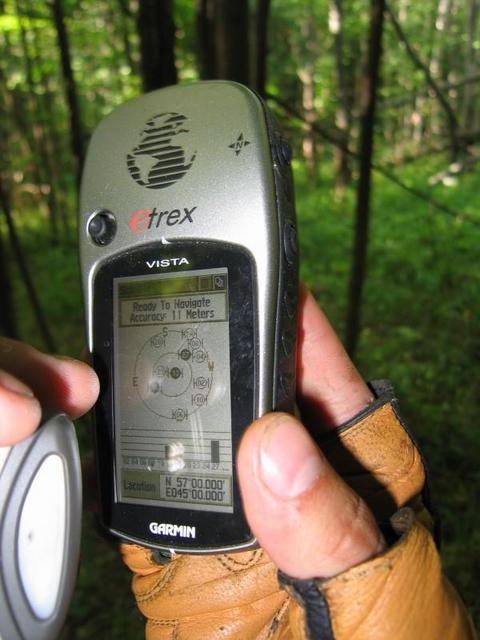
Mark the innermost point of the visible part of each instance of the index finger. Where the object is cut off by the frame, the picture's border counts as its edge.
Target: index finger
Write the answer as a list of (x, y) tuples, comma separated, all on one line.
[(330, 388), (58, 382)]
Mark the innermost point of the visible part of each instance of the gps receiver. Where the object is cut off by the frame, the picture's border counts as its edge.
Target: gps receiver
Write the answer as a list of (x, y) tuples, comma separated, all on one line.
[(189, 264)]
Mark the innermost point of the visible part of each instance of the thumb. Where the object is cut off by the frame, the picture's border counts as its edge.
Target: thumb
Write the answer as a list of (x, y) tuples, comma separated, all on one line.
[(303, 514)]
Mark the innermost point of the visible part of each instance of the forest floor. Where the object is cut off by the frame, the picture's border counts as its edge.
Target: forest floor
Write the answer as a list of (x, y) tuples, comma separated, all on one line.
[(421, 329)]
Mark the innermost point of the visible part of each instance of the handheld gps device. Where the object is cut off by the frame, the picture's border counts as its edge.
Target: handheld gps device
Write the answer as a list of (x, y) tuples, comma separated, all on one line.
[(40, 525), (189, 262)]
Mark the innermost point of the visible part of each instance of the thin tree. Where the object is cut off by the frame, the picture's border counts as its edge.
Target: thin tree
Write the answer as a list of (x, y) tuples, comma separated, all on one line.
[(306, 73), (469, 96), (24, 270), (7, 311), (343, 115), (7, 308), (439, 70), (259, 59), (370, 81), (231, 40), (205, 11), (76, 134), (156, 29), (442, 24), (222, 40)]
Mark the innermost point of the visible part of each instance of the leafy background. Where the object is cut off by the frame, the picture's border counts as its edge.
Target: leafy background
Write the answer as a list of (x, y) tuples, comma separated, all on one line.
[(420, 315)]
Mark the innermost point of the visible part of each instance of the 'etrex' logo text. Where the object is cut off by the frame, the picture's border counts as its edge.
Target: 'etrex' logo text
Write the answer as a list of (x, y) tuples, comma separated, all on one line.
[(144, 219)]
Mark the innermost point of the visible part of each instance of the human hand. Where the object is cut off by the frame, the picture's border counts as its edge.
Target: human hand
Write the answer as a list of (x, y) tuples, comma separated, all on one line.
[(308, 520), (30, 379), (313, 526)]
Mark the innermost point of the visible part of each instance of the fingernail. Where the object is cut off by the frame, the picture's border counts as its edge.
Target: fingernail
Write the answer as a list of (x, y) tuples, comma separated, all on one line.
[(9, 382), (64, 358), (6, 345), (290, 463)]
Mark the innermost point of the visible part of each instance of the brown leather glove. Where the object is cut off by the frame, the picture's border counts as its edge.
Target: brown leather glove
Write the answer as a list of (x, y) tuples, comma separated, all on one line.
[(399, 595)]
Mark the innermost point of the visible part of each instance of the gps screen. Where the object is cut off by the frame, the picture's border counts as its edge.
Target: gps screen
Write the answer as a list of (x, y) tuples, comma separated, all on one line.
[(173, 435)]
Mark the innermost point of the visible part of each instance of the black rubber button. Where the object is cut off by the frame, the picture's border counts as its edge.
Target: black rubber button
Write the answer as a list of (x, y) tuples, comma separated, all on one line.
[(102, 227), (290, 300), (288, 341), (286, 382), (285, 151), (290, 243)]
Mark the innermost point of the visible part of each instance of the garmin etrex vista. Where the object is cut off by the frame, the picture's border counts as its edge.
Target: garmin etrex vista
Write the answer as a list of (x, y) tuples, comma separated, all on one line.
[(189, 262)]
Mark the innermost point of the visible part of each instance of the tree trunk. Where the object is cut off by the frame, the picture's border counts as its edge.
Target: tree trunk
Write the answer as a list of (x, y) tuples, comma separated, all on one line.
[(156, 30), (24, 271), (76, 136), (222, 37), (469, 96), (205, 39), (416, 120), (442, 21), (308, 103), (7, 309), (343, 114), (7, 312), (436, 65), (369, 87), (231, 40), (259, 60), (307, 76)]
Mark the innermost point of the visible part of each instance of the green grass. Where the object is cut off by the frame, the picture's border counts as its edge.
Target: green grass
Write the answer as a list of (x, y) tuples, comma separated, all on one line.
[(420, 328)]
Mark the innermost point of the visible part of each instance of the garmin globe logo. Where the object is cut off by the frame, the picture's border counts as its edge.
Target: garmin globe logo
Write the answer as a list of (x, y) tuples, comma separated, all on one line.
[(173, 530), (159, 160)]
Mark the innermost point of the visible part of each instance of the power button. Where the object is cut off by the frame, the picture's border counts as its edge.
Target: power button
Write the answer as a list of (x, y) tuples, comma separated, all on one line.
[(102, 227)]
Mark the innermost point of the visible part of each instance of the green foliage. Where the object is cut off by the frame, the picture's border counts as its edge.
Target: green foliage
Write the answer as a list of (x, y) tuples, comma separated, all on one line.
[(421, 308), (420, 329), (57, 279), (421, 315), (186, 41)]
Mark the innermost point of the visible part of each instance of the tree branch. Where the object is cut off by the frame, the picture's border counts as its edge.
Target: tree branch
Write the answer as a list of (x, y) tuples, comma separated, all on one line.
[(418, 193), (406, 98), (451, 117)]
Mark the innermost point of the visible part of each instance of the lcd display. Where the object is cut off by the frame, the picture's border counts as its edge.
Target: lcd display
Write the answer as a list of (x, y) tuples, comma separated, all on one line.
[(172, 408)]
